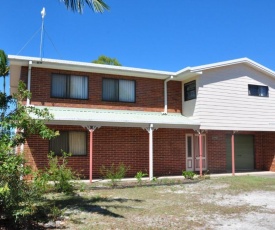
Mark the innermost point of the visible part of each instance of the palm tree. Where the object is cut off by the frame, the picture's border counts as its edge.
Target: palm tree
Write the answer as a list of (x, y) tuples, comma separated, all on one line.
[(98, 6), (4, 68)]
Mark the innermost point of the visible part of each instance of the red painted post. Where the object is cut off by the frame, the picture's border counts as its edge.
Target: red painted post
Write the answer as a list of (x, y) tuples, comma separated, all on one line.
[(233, 154), (200, 146), (91, 154)]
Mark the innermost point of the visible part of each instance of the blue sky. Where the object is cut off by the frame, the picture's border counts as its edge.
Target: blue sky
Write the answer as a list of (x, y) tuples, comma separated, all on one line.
[(155, 34)]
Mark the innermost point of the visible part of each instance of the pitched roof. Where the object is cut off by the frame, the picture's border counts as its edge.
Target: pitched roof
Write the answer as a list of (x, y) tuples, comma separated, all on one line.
[(129, 71)]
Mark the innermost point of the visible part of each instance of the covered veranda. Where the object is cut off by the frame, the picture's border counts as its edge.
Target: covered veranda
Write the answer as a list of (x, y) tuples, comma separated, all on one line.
[(93, 119)]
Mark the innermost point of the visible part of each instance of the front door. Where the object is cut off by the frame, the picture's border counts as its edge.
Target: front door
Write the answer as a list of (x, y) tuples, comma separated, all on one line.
[(193, 152), (189, 152)]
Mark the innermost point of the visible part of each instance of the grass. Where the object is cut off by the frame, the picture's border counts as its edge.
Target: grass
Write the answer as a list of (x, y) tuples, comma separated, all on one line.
[(223, 202), (248, 183), (168, 204)]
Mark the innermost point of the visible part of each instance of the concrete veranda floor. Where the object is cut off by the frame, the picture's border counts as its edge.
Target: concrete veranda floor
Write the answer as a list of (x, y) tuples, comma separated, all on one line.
[(267, 174)]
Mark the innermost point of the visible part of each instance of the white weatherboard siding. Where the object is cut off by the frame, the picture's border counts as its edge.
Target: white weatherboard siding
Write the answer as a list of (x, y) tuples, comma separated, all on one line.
[(223, 102)]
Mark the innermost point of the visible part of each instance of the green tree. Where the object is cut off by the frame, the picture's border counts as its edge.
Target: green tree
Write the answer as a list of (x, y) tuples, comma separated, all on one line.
[(4, 68), (17, 196), (98, 6), (106, 61)]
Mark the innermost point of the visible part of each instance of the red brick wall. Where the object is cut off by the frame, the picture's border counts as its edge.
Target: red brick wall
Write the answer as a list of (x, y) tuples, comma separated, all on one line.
[(131, 147), (264, 150), (268, 142), (120, 145), (216, 151), (169, 151), (149, 92)]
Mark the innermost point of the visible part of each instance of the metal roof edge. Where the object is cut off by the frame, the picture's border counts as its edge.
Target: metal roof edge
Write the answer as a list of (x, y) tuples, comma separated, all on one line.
[(130, 71), (234, 62), (89, 67)]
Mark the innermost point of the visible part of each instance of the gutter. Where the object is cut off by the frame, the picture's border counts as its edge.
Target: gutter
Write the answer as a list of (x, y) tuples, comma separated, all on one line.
[(165, 94), (29, 80)]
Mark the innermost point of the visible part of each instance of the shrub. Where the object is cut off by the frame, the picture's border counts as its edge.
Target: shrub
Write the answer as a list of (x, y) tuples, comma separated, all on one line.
[(18, 198), (114, 173), (139, 176), (55, 212), (59, 173), (188, 175)]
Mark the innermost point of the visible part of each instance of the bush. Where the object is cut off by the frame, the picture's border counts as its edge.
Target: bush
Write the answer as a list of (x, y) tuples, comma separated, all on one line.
[(18, 197), (139, 176), (188, 175), (114, 173), (58, 173)]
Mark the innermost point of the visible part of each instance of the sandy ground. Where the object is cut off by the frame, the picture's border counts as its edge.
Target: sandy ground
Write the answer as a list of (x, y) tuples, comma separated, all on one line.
[(218, 203), (261, 204)]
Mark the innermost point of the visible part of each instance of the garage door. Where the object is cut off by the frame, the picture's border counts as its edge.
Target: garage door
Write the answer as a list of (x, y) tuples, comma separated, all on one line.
[(244, 152)]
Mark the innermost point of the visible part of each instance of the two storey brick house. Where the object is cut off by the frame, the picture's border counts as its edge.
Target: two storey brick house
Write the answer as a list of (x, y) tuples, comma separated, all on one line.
[(217, 117)]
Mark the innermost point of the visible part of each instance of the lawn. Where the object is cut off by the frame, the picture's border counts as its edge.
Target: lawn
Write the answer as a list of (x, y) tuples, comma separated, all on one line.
[(241, 202)]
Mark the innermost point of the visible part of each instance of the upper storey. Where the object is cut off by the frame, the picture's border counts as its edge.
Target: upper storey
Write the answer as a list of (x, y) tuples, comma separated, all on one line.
[(86, 85), (234, 95)]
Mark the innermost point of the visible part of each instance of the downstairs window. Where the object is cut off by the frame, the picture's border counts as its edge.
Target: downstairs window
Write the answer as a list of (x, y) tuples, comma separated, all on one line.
[(70, 142)]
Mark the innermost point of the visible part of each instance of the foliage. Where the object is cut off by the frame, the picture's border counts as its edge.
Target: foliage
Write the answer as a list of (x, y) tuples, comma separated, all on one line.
[(56, 212), (28, 120), (98, 6), (206, 175), (139, 176), (188, 174), (106, 61), (114, 173), (58, 173), (18, 197), (4, 67)]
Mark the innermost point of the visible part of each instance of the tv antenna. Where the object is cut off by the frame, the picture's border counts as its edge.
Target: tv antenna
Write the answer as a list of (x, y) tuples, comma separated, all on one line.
[(43, 14), (43, 31)]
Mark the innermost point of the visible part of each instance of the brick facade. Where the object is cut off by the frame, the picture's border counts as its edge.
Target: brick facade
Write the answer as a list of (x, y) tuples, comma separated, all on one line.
[(149, 92), (130, 146)]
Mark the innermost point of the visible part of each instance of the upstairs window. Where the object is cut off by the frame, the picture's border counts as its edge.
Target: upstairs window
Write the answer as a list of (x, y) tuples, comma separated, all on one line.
[(69, 142), (258, 90), (69, 86), (118, 90), (190, 91)]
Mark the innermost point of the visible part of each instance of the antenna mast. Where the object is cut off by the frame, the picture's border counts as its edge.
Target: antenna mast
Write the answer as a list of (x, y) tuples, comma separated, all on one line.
[(43, 14)]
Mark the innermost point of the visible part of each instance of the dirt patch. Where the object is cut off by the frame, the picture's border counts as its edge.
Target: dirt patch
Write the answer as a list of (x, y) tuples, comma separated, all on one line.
[(219, 203)]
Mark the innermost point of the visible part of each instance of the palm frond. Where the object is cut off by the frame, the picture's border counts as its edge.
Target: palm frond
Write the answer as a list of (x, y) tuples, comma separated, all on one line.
[(4, 68), (97, 6)]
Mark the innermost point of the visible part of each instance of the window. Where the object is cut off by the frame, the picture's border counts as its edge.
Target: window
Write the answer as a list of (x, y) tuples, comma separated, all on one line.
[(258, 90), (189, 146), (69, 86), (190, 91), (69, 142), (118, 90)]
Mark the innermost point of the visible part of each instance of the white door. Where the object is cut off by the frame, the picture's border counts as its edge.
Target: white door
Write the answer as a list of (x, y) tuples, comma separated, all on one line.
[(197, 152), (189, 152)]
